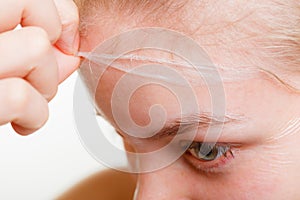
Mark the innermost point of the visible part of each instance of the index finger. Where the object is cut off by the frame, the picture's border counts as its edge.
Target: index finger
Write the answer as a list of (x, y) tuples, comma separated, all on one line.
[(30, 13)]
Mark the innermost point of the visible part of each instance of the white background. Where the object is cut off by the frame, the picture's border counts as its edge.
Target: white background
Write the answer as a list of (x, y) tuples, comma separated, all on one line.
[(45, 164)]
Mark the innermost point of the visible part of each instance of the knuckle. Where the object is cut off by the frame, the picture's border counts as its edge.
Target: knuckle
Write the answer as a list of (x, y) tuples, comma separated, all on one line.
[(34, 127), (38, 41), (49, 96), (19, 94), (44, 116), (56, 33), (38, 32)]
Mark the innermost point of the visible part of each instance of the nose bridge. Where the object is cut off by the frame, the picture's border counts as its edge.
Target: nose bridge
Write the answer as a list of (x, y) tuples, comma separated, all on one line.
[(152, 186), (163, 184)]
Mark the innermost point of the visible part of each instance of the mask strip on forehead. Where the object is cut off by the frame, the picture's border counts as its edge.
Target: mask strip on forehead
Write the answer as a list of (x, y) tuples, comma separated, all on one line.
[(228, 74)]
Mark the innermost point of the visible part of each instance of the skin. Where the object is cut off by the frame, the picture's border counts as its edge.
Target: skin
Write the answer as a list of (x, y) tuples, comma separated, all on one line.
[(266, 162), (34, 59)]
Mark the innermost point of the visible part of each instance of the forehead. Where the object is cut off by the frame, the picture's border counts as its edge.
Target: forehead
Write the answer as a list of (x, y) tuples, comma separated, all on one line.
[(258, 98)]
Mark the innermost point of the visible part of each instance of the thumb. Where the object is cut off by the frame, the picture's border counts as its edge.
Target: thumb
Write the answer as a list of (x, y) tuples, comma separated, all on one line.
[(69, 39)]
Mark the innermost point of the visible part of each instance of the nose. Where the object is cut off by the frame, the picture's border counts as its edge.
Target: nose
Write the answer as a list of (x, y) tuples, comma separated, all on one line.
[(164, 184)]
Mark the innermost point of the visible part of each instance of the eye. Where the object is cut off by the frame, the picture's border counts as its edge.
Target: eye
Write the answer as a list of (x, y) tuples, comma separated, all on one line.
[(207, 151), (208, 157)]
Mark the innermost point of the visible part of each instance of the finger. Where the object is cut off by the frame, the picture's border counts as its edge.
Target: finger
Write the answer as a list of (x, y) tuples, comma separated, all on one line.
[(30, 13), (66, 64), (22, 105), (27, 53), (69, 39)]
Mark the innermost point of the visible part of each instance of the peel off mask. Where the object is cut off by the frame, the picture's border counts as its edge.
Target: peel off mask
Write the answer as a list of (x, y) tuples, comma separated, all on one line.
[(160, 57)]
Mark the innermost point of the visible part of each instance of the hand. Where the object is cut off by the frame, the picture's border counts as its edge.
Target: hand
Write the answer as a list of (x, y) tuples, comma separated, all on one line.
[(34, 59)]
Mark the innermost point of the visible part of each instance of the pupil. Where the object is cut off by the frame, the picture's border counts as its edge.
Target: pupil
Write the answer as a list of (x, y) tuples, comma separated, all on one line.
[(207, 152)]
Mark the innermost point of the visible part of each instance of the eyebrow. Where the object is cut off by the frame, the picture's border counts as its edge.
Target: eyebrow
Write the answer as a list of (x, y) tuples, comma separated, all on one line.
[(184, 123)]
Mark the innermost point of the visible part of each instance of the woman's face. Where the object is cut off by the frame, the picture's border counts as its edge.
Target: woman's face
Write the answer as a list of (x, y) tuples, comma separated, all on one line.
[(256, 155)]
